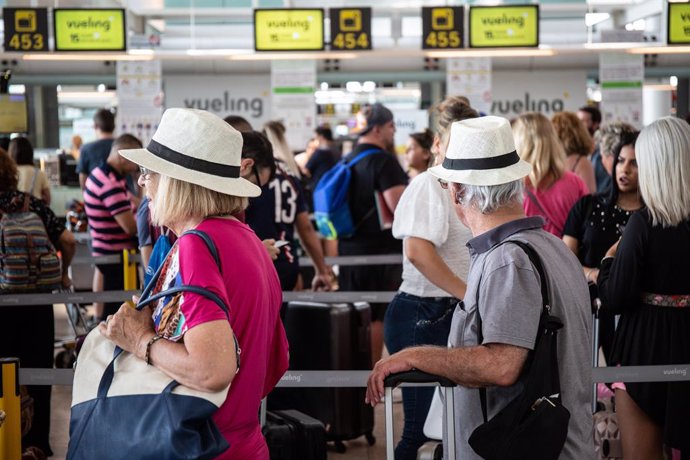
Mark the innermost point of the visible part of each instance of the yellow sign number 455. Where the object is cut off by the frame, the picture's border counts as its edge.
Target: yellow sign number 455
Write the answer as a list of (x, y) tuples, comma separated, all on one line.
[(443, 39)]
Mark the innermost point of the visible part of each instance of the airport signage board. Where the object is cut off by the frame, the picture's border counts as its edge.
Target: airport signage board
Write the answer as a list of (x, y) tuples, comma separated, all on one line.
[(504, 26), (442, 27), (26, 29), (350, 28), (678, 24), (89, 30), (288, 29)]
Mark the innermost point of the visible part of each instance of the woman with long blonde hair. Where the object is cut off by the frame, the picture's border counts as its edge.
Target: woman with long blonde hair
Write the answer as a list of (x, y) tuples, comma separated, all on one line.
[(550, 190)]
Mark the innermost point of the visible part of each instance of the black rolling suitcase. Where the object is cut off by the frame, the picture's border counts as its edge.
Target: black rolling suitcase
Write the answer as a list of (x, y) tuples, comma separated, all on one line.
[(291, 434), (329, 337)]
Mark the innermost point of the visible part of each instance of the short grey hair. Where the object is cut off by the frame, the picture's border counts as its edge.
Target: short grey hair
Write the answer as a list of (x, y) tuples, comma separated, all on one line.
[(663, 157), (489, 198), (610, 135)]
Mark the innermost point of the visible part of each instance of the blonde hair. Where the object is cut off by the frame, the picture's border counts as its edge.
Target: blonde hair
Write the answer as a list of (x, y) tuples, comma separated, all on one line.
[(537, 143), (177, 201), (275, 132), (573, 134), (663, 157)]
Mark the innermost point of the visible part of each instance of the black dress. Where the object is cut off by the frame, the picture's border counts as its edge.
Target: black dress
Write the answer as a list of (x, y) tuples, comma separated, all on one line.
[(653, 260), (28, 332), (597, 226)]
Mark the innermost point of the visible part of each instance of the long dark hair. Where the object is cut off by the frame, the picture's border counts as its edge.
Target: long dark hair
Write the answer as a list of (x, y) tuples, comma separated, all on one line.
[(627, 138)]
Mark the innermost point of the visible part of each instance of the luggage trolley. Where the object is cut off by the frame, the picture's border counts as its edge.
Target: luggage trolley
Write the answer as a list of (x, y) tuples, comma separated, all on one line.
[(415, 376)]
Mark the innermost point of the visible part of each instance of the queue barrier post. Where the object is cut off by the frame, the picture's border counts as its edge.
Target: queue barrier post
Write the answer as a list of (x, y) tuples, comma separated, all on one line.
[(10, 405), (130, 272)]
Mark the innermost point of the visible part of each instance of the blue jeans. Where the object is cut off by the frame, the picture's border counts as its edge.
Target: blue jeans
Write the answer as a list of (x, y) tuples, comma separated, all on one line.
[(410, 321)]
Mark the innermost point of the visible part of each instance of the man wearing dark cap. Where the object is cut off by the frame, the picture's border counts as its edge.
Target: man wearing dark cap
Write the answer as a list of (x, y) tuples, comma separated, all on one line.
[(376, 185)]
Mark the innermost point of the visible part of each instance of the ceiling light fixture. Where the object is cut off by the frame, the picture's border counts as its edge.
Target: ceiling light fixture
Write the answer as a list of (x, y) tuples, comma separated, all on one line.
[(507, 52), (660, 50), (592, 19), (86, 57)]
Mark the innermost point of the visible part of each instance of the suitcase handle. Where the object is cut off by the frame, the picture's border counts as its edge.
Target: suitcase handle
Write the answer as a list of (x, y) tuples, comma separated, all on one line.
[(416, 376)]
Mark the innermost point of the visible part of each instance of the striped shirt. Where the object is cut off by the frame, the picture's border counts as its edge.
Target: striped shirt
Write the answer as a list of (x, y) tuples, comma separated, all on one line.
[(105, 196)]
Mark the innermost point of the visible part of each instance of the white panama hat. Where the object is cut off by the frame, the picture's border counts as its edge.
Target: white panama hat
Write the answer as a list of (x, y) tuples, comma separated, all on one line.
[(481, 151), (198, 147)]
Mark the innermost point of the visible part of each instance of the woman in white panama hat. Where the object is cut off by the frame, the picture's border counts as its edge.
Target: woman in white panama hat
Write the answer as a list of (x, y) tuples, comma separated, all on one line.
[(193, 175)]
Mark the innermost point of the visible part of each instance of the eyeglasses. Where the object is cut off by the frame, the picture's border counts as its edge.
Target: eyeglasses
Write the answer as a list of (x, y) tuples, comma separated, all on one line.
[(443, 183), (143, 171)]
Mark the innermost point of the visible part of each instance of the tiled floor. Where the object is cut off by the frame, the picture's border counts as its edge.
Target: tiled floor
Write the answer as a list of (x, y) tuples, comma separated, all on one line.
[(356, 449)]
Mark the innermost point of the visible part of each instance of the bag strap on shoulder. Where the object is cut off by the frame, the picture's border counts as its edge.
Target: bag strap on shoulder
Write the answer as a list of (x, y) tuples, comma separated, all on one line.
[(362, 155), (536, 261)]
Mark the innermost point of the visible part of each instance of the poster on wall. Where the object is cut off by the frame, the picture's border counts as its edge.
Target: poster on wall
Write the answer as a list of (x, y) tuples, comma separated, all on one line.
[(621, 77), (292, 99), (406, 123), (547, 92), (247, 96), (140, 98), (470, 77)]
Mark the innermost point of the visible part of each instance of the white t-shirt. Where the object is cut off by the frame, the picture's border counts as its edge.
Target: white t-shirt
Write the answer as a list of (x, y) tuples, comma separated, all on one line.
[(425, 211)]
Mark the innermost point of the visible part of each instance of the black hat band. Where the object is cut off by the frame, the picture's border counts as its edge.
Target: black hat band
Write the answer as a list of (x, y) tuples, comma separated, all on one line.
[(195, 164), (500, 161)]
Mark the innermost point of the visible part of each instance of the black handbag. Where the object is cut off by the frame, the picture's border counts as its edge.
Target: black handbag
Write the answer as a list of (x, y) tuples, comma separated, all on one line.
[(535, 424)]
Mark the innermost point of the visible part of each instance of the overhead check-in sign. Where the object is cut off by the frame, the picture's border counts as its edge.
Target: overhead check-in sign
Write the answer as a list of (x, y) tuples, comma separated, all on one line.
[(26, 29), (288, 29), (442, 27), (504, 26), (89, 30), (350, 28), (678, 24)]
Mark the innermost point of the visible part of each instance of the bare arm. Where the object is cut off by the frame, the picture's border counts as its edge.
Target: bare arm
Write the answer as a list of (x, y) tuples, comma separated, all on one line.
[(312, 245), (45, 196), (82, 180), (422, 254), (492, 364), (205, 360), (392, 196), (574, 245), (586, 171), (127, 222), (68, 247)]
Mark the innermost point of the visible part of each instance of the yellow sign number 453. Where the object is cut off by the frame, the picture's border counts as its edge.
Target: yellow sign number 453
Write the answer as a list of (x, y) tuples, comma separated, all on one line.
[(25, 42), (443, 39), (351, 40)]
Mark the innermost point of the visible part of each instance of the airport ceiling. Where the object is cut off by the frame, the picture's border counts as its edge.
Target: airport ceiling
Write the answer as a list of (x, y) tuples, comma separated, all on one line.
[(191, 31)]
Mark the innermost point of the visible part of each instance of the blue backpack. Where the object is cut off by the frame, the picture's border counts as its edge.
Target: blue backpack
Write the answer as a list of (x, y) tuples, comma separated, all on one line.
[(331, 207)]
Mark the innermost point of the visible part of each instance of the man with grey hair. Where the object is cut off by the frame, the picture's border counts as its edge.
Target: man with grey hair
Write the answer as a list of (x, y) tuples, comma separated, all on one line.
[(484, 176)]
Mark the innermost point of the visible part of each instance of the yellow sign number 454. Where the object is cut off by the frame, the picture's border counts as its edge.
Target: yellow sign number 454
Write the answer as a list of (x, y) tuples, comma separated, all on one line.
[(351, 40)]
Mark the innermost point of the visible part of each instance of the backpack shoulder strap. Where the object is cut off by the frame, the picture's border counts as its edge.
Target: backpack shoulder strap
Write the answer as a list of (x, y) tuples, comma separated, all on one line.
[(362, 155)]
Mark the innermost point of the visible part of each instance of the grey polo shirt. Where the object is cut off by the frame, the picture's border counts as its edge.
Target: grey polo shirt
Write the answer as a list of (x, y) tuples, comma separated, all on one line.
[(505, 286)]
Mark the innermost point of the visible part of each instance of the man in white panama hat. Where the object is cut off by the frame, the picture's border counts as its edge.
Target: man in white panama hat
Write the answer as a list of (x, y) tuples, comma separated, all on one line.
[(484, 175)]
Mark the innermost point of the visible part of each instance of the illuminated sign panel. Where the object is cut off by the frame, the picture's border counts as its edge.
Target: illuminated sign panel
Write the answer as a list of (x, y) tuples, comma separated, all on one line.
[(89, 30), (350, 28), (26, 29), (678, 24), (288, 30), (14, 116), (442, 27), (504, 26)]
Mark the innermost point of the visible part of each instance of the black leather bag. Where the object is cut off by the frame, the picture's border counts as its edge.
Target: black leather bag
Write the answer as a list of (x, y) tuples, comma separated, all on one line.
[(535, 424)]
